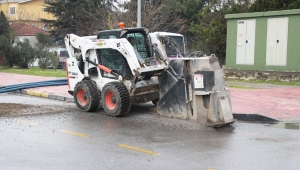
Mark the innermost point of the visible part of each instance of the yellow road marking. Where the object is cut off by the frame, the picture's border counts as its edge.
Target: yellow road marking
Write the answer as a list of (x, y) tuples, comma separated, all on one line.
[(27, 122), (75, 133), (138, 149)]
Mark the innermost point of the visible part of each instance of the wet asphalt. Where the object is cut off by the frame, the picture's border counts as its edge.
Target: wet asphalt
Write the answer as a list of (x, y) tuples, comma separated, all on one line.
[(72, 139)]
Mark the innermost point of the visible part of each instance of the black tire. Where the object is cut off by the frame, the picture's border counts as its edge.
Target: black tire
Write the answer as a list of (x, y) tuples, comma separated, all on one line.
[(87, 96), (115, 99), (155, 101)]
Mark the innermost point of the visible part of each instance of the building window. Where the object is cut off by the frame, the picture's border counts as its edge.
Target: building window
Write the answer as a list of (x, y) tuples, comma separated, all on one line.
[(12, 10), (46, 28), (48, 1), (44, 10)]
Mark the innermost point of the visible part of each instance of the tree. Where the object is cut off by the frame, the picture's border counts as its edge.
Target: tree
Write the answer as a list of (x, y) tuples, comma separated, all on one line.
[(273, 5), (7, 51), (191, 8), (42, 51), (210, 30), (81, 17), (157, 15), (4, 25), (45, 40), (4, 37), (26, 54)]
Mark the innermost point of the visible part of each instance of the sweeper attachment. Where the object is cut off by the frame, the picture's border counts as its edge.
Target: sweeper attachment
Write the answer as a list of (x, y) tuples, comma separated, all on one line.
[(193, 88)]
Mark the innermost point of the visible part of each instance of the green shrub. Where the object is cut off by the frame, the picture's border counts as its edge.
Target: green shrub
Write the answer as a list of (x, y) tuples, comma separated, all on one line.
[(7, 51), (26, 54), (54, 59), (46, 58)]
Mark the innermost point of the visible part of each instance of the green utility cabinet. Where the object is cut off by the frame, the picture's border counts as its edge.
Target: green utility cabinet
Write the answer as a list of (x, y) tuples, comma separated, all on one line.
[(267, 41)]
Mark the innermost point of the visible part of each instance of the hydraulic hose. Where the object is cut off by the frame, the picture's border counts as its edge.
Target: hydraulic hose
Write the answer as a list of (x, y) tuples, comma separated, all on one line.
[(15, 87)]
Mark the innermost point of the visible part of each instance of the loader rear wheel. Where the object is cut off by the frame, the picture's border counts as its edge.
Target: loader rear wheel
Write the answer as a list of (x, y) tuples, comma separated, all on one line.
[(87, 96), (115, 99)]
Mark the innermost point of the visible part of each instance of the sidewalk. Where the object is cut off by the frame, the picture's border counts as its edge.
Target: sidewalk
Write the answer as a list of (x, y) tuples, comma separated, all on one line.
[(9, 79), (281, 102), (277, 101)]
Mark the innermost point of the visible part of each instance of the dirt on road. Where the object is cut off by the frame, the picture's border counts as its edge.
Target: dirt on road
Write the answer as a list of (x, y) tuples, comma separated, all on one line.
[(15, 109)]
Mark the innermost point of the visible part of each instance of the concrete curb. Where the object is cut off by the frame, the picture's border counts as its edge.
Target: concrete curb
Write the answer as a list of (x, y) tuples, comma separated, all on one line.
[(45, 95)]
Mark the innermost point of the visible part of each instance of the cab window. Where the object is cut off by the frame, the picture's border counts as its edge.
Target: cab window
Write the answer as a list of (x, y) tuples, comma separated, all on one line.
[(139, 43), (171, 51), (115, 61), (108, 37), (112, 59)]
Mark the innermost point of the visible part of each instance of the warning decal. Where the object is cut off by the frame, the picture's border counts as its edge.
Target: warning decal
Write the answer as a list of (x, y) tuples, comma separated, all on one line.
[(198, 81)]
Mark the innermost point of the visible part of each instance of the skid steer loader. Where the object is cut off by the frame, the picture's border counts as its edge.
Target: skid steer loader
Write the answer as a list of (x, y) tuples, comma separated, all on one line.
[(112, 70), (117, 73)]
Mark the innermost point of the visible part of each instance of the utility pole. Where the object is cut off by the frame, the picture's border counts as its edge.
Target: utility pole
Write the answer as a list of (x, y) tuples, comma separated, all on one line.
[(139, 14)]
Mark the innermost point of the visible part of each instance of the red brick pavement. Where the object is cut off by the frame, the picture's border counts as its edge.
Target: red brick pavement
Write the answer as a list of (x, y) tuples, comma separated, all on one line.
[(281, 103)]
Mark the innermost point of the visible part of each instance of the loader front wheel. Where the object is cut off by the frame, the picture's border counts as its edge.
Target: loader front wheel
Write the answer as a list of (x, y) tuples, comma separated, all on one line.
[(87, 96), (115, 99)]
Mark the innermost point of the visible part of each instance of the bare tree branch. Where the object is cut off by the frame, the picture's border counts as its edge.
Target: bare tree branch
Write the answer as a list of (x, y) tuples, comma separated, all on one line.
[(159, 15)]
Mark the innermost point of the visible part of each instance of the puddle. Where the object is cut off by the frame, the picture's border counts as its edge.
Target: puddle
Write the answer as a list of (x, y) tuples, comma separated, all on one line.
[(285, 125)]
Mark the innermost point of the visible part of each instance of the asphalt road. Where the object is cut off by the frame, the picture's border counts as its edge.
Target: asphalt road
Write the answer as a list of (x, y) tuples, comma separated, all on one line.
[(66, 138)]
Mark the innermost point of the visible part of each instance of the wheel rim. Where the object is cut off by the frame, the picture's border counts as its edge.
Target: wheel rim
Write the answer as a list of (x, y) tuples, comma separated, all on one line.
[(110, 100), (81, 96)]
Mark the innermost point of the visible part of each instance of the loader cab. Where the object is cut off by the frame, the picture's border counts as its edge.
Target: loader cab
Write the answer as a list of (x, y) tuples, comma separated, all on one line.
[(113, 59), (139, 35)]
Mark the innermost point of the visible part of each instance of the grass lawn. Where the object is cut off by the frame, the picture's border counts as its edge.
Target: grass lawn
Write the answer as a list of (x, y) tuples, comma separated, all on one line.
[(291, 83), (242, 87), (35, 72)]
